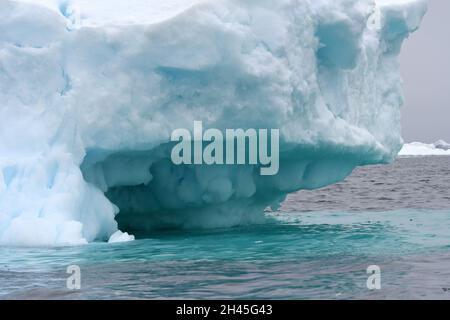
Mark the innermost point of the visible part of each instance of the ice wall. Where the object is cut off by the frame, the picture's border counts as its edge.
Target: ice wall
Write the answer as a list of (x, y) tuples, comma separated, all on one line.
[(90, 92)]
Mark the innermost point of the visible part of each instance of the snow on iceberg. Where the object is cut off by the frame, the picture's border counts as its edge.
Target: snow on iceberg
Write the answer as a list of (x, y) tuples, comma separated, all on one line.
[(439, 148), (91, 91)]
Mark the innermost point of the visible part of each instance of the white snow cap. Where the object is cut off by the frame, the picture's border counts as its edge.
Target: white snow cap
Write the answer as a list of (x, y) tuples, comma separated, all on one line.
[(90, 91), (118, 12)]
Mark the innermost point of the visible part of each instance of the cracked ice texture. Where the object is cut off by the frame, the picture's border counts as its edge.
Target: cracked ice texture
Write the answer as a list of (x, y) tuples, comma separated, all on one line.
[(90, 92)]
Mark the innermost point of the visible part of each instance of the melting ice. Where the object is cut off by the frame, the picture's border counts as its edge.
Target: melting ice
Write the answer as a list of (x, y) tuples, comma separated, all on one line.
[(90, 92)]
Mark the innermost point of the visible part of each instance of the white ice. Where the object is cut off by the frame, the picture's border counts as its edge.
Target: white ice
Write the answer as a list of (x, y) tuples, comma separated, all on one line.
[(120, 236), (439, 148)]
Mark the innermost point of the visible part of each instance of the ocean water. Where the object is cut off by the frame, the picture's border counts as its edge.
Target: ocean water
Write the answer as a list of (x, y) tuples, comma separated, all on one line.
[(317, 246)]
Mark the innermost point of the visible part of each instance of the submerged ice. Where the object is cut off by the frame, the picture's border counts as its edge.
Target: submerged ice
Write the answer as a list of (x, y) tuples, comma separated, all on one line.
[(90, 92)]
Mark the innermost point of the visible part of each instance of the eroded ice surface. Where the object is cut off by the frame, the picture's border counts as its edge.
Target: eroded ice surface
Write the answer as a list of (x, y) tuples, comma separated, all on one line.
[(90, 92)]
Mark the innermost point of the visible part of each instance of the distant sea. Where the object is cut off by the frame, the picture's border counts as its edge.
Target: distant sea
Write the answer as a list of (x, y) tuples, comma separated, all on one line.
[(318, 245)]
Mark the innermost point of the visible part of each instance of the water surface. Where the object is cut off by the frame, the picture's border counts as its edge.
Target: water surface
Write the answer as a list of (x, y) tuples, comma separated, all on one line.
[(318, 247)]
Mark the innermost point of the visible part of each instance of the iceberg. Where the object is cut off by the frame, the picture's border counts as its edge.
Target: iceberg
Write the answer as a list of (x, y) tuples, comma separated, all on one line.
[(439, 148), (442, 145), (120, 236), (90, 91)]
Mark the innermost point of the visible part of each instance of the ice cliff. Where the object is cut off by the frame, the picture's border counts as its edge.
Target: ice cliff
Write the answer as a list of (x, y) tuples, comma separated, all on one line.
[(90, 91)]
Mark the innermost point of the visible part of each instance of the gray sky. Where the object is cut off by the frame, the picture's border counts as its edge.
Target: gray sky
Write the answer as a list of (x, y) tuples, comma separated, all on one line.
[(425, 64)]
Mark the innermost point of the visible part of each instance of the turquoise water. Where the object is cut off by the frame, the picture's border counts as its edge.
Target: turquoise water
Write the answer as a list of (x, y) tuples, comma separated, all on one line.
[(317, 254), (314, 255)]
